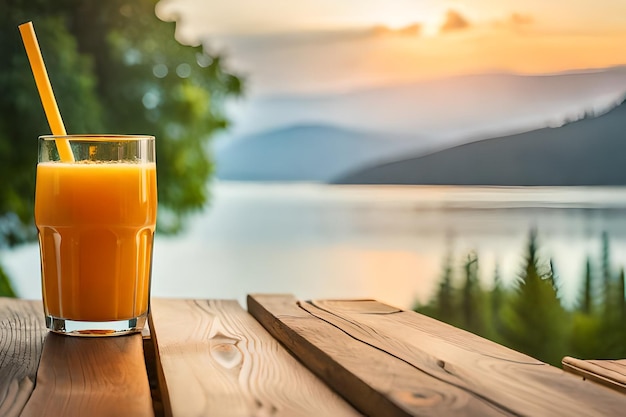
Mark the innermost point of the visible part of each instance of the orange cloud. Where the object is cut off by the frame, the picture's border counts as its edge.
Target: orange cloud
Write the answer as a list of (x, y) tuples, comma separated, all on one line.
[(454, 21), (514, 21), (519, 19), (410, 30), (414, 29)]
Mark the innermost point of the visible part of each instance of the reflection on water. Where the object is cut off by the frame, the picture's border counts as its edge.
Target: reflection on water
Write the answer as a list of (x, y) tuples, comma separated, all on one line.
[(385, 242)]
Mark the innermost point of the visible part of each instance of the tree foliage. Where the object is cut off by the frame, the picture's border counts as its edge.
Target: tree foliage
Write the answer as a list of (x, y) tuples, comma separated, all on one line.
[(5, 285), (472, 304), (529, 315), (534, 314), (115, 68), (443, 303)]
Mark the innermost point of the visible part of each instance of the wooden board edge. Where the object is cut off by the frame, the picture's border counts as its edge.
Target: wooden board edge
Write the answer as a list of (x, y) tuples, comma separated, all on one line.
[(375, 307), (297, 345), (612, 367), (163, 390), (570, 365)]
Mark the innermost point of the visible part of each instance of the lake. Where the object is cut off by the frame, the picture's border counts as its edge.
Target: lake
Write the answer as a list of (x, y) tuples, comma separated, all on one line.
[(384, 242)]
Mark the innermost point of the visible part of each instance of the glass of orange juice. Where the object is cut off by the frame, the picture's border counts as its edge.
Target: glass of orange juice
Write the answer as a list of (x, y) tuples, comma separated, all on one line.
[(96, 218)]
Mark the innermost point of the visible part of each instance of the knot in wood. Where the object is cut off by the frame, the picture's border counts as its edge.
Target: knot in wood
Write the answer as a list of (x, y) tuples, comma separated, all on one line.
[(225, 352)]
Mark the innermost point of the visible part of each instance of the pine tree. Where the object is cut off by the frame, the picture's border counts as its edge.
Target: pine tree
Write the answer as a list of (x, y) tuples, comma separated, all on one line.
[(611, 322), (584, 337), (621, 327), (585, 304), (607, 282), (444, 307), (472, 306), (534, 320), (496, 301), (621, 300)]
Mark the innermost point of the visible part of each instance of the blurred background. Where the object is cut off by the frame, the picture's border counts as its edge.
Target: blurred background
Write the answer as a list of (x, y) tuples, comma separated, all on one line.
[(439, 155)]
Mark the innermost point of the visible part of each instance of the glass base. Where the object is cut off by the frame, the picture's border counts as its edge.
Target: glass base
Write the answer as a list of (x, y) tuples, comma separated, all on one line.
[(95, 328)]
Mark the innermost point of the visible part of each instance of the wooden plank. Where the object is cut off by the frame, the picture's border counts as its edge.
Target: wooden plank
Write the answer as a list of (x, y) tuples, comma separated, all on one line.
[(22, 330), (373, 381), (521, 385), (215, 359), (153, 378), (611, 373), (489, 370), (501, 379), (95, 377)]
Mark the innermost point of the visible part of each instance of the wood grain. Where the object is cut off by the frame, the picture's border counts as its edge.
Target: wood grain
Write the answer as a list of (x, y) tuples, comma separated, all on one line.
[(95, 377), (611, 373), (373, 381), (465, 365), (216, 360), (22, 330), (485, 368)]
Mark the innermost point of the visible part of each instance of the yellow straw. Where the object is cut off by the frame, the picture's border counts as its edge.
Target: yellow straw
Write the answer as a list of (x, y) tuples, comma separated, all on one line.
[(45, 90)]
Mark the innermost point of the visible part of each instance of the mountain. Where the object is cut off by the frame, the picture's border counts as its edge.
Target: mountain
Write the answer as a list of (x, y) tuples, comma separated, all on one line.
[(451, 109), (305, 153), (586, 152), (286, 138)]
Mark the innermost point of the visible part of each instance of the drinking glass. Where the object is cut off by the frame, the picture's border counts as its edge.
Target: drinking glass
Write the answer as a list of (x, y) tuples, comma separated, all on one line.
[(96, 219)]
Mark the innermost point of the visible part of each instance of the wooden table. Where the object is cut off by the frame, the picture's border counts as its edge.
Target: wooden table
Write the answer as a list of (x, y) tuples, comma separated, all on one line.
[(282, 357)]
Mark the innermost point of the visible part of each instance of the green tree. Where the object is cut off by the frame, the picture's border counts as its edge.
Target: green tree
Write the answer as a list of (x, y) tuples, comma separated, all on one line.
[(442, 305), (472, 300), (607, 280), (598, 329), (585, 339), (611, 318), (621, 311), (534, 320), (585, 304), (22, 118), (174, 92), (115, 68), (621, 300), (497, 299), (531, 318), (5, 285)]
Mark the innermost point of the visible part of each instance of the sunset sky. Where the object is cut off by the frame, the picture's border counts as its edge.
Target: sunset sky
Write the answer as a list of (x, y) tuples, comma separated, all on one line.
[(328, 45)]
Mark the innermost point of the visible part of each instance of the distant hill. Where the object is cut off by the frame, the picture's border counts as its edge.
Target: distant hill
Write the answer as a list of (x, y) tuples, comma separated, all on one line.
[(288, 137), (448, 109), (305, 153), (590, 151)]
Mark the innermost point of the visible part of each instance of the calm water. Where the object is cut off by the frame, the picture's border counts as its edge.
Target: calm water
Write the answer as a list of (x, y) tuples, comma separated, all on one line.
[(385, 242)]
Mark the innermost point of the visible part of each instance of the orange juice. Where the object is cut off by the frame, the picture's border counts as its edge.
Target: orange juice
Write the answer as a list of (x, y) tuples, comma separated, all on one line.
[(96, 223)]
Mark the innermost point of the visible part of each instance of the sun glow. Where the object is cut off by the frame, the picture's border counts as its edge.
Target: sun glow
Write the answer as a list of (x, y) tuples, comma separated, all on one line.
[(325, 45), (397, 19)]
